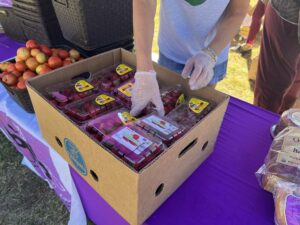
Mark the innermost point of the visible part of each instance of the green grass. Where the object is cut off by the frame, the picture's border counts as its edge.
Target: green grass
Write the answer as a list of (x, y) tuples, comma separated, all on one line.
[(25, 199)]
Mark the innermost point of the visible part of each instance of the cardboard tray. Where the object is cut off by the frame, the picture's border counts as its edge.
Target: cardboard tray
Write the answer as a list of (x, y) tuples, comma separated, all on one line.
[(134, 195)]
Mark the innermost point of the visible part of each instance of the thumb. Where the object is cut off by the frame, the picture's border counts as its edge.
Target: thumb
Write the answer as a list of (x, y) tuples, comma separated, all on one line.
[(159, 106), (137, 108), (188, 68)]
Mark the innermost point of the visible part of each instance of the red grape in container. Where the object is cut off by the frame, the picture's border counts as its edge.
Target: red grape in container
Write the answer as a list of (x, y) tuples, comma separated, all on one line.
[(134, 146), (91, 107), (112, 77), (70, 91), (109, 122), (162, 127), (191, 112)]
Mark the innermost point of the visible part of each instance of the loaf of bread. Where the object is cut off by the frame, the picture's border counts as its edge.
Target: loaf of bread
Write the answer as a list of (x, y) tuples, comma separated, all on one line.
[(280, 175)]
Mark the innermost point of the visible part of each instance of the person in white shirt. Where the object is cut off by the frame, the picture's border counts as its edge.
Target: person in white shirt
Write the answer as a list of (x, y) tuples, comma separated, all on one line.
[(193, 40)]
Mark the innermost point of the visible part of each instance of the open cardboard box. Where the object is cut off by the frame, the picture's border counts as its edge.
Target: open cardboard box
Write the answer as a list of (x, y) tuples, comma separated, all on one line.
[(134, 195)]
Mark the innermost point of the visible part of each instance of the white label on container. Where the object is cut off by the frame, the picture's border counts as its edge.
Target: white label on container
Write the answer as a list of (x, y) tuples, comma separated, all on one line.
[(160, 125), (290, 154), (132, 140)]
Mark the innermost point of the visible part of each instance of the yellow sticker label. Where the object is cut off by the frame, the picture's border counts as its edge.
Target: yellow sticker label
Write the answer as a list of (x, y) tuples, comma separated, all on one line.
[(104, 99), (122, 69), (180, 100), (126, 117), (82, 86), (197, 105), (126, 89)]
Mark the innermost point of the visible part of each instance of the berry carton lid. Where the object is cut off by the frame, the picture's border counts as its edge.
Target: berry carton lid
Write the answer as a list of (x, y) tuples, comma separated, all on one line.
[(191, 111), (171, 98), (111, 121), (72, 90), (124, 91), (133, 145), (91, 107), (162, 127), (112, 77)]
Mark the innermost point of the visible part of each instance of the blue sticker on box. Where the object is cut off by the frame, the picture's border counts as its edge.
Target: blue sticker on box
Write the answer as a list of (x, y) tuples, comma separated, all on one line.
[(75, 157)]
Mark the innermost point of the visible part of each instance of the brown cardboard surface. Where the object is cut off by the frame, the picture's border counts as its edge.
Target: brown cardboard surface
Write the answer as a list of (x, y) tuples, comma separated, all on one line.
[(131, 194)]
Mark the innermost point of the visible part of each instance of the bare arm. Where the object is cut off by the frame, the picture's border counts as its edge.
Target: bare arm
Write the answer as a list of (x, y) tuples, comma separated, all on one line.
[(229, 24), (143, 23)]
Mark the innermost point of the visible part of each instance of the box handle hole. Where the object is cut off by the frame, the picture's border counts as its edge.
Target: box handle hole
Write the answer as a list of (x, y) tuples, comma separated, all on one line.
[(94, 175), (159, 189), (204, 146), (82, 76), (188, 147), (58, 142)]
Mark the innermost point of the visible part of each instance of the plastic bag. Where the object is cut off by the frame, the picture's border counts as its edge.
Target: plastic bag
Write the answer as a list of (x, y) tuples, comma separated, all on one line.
[(280, 175), (290, 117)]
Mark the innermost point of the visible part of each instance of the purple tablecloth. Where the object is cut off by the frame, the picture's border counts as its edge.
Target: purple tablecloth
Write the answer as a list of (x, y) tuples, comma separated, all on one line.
[(6, 3), (8, 47), (224, 190)]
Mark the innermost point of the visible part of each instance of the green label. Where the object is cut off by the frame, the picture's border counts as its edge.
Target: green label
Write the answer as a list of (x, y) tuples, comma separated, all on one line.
[(195, 2)]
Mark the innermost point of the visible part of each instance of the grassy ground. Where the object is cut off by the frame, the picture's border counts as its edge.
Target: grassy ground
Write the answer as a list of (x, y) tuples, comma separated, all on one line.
[(27, 200), (24, 198)]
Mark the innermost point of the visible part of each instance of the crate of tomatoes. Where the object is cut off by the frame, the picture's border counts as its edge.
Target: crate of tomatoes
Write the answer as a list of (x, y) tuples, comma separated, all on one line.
[(33, 60)]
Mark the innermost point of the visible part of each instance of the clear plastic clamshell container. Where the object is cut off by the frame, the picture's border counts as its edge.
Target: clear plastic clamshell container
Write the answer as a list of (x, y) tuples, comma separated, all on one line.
[(124, 92), (162, 127), (171, 97), (191, 112), (109, 122), (91, 107), (134, 146), (110, 78), (70, 91)]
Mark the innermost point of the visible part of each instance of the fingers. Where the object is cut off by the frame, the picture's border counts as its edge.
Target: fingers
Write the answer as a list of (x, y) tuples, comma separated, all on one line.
[(159, 106), (196, 74), (139, 99), (136, 109), (188, 68), (201, 81)]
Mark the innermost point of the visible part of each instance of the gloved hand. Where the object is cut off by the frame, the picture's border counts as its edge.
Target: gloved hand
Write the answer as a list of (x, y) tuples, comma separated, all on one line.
[(146, 90), (199, 69)]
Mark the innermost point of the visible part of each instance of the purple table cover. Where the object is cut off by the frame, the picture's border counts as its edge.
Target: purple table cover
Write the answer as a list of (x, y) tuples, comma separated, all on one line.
[(6, 3), (8, 47), (223, 190)]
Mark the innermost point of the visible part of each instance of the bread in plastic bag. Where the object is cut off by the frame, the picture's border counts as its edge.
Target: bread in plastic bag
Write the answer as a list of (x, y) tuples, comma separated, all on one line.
[(290, 117), (280, 175)]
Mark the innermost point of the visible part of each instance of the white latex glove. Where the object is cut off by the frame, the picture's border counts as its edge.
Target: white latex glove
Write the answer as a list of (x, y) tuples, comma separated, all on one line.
[(146, 90), (200, 70)]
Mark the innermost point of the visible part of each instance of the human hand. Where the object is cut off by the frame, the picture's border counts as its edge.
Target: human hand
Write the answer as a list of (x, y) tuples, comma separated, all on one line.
[(146, 90), (199, 68)]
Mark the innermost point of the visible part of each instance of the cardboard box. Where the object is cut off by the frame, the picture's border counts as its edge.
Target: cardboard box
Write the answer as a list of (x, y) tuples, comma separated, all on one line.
[(134, 195)]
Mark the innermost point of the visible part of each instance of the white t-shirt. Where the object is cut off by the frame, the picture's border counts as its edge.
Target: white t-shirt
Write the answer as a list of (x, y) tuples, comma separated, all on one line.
[(187, 26)]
